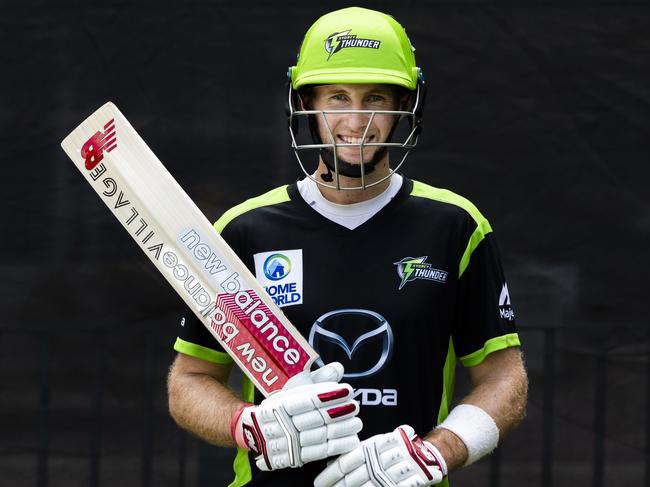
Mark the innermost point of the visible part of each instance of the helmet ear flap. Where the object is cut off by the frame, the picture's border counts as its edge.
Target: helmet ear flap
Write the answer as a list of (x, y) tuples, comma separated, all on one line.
[(292, 104), (418, 103), (295, 102)]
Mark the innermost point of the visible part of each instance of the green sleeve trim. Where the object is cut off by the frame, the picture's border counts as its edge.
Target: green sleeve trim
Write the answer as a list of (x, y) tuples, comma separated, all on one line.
[(445, 196), (448, 382), (273, 197), (492, 345), (204, 353), (482, 229), (242, 465)]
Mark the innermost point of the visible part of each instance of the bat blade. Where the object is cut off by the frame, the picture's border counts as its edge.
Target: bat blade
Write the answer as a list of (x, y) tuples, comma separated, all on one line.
[(186, 249)]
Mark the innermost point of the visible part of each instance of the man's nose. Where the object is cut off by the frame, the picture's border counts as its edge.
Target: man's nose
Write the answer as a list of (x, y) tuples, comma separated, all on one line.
[(358, 121)]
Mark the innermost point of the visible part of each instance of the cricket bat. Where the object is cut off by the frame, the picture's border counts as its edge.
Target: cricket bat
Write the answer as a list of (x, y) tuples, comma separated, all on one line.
[(182, 244)]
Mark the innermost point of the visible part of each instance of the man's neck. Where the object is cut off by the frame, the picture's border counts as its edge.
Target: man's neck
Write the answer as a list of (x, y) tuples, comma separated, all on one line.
[(351, 196)]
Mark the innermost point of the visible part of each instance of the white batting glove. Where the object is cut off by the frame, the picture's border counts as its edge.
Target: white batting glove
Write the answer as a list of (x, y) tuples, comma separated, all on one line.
[(397, 459), (302, 423)]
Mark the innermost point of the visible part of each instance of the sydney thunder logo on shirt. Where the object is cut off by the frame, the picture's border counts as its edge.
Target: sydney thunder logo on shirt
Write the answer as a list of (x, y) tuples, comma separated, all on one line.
[(412, 268), (342, 40)]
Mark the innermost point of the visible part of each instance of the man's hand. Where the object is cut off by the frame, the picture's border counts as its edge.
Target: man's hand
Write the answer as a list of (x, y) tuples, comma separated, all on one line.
[(397, 459), (302, 423)]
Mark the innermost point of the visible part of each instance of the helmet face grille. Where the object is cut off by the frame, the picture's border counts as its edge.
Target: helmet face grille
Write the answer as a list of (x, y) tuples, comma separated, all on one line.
[(310, 147)]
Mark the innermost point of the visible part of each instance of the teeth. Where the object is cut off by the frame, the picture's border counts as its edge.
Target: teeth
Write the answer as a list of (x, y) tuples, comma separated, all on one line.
[(352, 140)]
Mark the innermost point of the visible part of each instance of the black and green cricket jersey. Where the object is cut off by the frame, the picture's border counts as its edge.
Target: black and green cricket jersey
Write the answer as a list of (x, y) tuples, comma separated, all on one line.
[(396, 301)]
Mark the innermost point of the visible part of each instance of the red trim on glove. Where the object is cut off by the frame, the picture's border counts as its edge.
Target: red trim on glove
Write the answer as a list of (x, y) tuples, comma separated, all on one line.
[(262, 441), (413, 454), (339, 411), (332, 395), (235, 419)]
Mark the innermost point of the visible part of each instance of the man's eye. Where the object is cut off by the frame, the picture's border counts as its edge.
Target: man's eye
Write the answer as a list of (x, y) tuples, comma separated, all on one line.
[(339, 97), (376, 99)]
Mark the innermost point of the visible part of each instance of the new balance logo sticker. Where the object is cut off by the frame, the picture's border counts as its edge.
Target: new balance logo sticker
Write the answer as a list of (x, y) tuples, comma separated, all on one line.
[(505, 310), (93, 150), (412, 268)]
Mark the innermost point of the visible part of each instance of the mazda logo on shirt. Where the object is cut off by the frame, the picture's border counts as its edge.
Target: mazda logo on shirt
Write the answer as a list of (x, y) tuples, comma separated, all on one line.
[(360, 339)]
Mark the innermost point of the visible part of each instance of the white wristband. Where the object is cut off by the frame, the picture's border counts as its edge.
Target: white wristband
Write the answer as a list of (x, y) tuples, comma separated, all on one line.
[(475, 428)]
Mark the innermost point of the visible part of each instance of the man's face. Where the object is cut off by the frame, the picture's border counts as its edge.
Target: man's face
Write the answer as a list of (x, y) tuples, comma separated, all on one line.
[(349, 128)]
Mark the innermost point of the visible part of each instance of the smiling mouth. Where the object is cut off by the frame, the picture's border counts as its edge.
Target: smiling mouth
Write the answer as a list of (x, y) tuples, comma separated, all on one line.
[(354, 140)]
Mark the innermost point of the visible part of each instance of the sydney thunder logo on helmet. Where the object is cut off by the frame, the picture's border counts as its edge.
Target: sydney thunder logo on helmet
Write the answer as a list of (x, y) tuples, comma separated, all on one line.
[(342, 40)]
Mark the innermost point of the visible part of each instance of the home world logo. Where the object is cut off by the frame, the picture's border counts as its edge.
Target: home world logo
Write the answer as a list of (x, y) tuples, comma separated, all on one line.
[(280, 273), (277, 267)]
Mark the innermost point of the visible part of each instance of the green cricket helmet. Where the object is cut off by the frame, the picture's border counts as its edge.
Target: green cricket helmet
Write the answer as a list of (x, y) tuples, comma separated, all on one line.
[(355, 46)]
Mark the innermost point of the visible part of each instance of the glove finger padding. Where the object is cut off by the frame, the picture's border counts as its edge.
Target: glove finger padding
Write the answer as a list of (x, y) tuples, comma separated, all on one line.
[(329, 449), (397, 459), (332, 372), (301, 424)]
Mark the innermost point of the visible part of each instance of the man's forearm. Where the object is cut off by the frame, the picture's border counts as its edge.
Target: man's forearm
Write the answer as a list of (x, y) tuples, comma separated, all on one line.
[(501, 390), (503, 398), (202, 405)]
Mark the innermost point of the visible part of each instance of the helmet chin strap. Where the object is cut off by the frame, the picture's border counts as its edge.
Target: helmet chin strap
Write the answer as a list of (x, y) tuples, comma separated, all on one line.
[(346, 168), (327, 177)]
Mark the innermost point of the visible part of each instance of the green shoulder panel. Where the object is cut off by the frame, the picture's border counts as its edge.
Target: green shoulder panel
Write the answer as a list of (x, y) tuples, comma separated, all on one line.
[(445, 196), (476, 238), (273, 197)]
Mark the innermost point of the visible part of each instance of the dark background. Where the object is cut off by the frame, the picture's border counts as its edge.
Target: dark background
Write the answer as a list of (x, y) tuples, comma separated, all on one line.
[(539, 112)]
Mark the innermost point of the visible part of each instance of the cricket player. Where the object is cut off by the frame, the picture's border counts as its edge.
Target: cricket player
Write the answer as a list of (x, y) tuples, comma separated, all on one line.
[(391, 280)]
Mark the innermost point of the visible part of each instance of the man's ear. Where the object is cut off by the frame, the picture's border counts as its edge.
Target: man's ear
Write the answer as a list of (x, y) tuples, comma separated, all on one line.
[(306, 96), (405, 101)]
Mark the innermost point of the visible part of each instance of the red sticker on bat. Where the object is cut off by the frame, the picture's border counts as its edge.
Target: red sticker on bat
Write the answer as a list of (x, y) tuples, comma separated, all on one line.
[(93, 150), (258, 338)]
